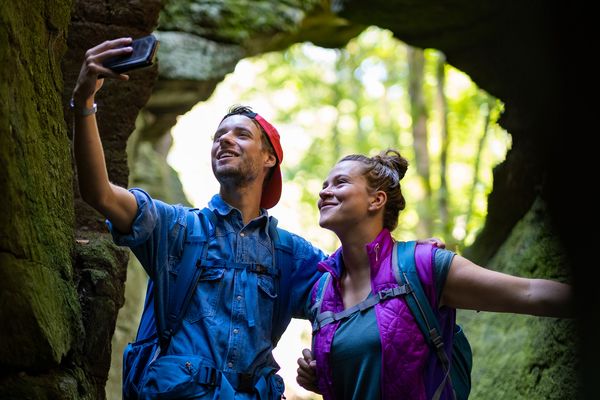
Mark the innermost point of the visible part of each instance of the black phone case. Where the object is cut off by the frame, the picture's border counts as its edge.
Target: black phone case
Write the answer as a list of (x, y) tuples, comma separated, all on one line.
[(143, 55)]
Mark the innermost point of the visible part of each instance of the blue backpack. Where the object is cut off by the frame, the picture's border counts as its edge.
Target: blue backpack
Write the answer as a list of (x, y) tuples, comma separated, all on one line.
[(457, 372), (163, 314)]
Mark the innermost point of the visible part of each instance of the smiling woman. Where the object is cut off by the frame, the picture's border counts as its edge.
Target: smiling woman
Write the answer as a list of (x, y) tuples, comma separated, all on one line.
[(346, 184), (361, 291)]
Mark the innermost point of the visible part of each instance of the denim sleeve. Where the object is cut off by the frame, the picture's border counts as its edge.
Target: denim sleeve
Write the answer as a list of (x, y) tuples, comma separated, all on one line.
[(154, 233), (143, 223), (306, 258)]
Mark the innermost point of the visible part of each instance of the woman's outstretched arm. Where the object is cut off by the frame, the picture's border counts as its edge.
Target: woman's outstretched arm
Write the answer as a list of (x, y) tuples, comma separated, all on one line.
[(469, 286)]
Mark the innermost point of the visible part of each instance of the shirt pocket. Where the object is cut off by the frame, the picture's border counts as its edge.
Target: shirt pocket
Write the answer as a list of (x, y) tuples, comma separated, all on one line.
[(207, 295), (267, 294), (266, 285), (176, 377)]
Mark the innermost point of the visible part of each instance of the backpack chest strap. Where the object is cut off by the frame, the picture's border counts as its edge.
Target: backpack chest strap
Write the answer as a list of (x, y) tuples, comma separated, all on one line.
[(259, 269), (234, 381), (328, 317)]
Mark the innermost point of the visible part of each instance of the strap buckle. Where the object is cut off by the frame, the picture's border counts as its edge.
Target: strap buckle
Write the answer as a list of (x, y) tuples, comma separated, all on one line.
[(386, 294), (208, 376), (261, 269), (394, 292), (214, 377)]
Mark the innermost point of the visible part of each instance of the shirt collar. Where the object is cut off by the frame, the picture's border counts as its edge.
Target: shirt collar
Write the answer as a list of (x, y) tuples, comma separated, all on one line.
[(219, 206)]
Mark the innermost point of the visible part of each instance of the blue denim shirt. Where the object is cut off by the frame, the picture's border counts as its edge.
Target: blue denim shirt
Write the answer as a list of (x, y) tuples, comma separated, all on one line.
[(228, 323)]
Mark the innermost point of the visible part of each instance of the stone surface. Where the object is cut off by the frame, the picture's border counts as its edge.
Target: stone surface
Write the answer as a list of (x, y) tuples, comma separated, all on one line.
[(58, 311), (41, 317), (517, 356)]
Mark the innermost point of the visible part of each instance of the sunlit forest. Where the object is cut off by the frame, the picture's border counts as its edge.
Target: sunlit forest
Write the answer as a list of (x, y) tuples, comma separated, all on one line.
[(374, 94)]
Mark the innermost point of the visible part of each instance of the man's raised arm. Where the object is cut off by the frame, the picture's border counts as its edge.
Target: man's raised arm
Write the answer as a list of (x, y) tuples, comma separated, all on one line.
[(114, 202)]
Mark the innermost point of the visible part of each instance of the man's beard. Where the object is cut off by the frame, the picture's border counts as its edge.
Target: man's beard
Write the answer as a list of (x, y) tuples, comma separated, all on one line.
[(239, 177)]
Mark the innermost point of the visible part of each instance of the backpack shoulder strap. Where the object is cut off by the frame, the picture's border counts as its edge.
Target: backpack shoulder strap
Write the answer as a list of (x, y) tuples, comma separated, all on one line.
[(405, 270), (210, 220), (318, 291), (324, 318), (199, 227), (317, 294), (284, 263)]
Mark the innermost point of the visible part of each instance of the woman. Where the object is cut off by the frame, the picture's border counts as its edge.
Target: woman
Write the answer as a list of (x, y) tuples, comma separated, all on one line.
[(360, 202)]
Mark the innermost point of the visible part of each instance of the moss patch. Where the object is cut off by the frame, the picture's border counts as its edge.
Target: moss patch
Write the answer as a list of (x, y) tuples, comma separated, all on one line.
[(42, 309), (518, 356), (36, 242)]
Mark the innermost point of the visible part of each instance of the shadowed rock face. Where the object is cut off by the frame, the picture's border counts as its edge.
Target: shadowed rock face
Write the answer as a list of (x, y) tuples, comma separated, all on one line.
[(62, 279)]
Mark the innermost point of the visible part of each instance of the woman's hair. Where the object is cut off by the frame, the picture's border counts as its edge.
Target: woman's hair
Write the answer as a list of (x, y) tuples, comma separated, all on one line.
[(384, 172)]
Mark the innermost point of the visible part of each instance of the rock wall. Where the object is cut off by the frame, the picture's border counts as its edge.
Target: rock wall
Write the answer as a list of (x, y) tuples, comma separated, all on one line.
[(40, 311), (521, 357), (62, 278)]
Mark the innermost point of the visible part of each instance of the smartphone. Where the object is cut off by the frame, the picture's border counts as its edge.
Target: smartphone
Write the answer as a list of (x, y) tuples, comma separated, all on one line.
[(143, 55)]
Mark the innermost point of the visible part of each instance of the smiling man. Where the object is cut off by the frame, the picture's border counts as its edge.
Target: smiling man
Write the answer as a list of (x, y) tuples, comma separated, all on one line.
[(223, 347)]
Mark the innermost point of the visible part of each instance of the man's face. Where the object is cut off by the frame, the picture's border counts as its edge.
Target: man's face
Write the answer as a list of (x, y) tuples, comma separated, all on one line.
[(237, 153)]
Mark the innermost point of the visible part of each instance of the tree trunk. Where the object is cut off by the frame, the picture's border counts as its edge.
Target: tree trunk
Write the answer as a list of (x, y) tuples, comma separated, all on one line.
[(443, 213), (476, 167), (416, 62)]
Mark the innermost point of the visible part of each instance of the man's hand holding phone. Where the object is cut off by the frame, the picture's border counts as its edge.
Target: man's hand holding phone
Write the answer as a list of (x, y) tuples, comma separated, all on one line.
[(92, 71), (111, 59)]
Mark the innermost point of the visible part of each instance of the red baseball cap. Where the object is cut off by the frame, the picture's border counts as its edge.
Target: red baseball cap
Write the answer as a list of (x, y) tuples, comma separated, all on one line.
[(272, 189)]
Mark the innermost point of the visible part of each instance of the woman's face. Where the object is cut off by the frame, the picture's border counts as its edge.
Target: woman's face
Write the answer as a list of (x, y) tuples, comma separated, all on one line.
[(345, 198)]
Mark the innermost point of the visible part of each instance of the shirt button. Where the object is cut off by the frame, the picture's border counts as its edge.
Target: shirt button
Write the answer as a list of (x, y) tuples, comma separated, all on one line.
[(236, 330), (230, 364), (242, 234), (238, 297)]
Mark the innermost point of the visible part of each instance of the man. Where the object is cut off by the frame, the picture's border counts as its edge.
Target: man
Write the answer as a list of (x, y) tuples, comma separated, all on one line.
[(223, 348), (228, 326)]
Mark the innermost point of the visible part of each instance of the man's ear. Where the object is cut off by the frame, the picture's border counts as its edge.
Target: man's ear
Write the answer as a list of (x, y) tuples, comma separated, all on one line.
[(377, 200), (270, 160)]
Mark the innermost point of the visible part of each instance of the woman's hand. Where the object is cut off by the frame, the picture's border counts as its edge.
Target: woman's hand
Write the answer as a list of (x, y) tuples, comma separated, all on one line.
[(307, 372), (434, 241), (88, 82)]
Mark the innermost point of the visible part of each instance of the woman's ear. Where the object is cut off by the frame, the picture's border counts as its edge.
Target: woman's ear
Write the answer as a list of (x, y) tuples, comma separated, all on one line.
[(378, 200)]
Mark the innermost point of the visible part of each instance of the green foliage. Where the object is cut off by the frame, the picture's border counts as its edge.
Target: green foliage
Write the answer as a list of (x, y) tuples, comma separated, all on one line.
[(355, 100)]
